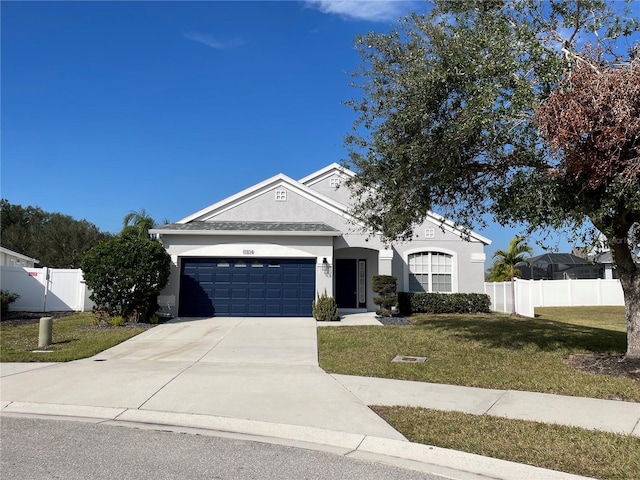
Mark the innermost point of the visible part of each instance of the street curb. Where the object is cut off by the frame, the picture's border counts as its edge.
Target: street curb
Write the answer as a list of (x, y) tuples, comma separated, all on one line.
[(424, 458)]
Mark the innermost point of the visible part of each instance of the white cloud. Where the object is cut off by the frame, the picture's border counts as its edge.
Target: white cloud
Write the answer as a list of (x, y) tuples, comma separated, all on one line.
[(209, 41), (373, 10)]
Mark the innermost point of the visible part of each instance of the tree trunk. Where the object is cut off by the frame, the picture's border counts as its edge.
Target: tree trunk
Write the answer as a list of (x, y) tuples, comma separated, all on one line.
[(631, 290), (629, 274), (632, 306)]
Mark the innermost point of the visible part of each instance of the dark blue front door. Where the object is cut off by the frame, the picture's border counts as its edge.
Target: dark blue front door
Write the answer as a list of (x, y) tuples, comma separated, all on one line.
[(347, 283), (247, 287)]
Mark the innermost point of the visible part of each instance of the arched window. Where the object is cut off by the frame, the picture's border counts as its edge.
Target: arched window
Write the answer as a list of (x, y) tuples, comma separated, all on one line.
[(430, 272)]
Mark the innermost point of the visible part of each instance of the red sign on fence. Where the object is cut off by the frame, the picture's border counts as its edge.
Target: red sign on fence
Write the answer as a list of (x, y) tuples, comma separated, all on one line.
[(33, 274)]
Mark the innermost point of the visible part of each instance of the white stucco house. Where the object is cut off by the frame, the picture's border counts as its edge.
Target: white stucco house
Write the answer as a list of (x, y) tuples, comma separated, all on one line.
[(270, 249)]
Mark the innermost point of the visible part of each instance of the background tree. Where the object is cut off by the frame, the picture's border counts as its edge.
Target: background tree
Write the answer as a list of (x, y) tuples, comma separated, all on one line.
[(138, 223), (126, 274), (56, 240), (447, 122), (506, 261), (497, 273)]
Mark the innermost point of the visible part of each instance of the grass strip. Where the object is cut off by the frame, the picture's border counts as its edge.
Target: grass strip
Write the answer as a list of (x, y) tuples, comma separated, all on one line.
[(74, 337), (566, 449), (488, 351)]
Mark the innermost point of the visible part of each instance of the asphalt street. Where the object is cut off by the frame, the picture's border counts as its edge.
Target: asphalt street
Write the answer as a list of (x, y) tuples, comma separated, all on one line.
[(58, 449)]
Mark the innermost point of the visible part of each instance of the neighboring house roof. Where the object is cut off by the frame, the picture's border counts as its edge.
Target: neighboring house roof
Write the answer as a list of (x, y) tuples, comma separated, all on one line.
[(601, 253), (302, 187), (556, 258), (549, 265), (18, 255), (603, 257), (248, 228)]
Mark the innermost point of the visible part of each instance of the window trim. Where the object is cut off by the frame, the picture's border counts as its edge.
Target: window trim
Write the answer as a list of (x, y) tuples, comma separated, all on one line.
[(454, 265), (281, 195)]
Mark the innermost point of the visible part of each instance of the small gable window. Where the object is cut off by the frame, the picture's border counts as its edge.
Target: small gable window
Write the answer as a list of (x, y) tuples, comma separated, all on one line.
[(429, 233), (334, 182), (281, 195)]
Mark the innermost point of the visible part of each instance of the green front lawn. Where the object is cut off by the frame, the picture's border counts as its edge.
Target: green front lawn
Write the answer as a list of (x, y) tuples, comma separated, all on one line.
[(489, 351), (557, 447), (73, 337), (497, 351)]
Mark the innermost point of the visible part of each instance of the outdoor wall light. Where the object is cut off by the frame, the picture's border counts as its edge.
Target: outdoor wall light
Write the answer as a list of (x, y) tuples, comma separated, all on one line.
[(325, 265)]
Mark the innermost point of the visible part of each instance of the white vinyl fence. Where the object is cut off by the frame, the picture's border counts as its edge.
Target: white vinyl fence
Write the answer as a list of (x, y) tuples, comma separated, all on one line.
[(46, 289), (553, 293)]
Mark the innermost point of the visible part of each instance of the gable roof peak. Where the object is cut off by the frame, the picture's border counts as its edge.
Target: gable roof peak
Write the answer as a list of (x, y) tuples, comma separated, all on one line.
[(326, 172), (273, 182)]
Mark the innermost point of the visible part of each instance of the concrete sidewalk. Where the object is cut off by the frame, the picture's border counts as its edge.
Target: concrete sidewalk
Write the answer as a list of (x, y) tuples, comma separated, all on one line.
[(260, 379), (590, 413)]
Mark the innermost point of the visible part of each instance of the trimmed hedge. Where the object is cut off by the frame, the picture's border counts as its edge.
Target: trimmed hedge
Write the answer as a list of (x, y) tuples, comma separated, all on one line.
[(409, 302)]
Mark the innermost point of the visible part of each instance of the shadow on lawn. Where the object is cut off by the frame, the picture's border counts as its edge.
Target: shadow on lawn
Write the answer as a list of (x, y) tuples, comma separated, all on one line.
[(516, 333)]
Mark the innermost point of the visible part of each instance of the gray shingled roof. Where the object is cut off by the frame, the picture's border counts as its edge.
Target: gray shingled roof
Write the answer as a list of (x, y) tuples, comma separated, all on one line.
[(301, 227)]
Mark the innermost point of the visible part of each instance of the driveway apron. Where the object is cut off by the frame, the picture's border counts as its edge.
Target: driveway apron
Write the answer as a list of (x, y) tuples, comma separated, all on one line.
[(262, 369)]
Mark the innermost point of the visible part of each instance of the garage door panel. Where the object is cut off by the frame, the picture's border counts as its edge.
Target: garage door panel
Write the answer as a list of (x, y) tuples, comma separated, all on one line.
[(241, 277), (308, 277), (238, 310), (290, 294), (289, 310), (239, 294), (222, 293), (308, 293), (256, 294), (257, 278), (223, 278), (273, 293), (242, 287)]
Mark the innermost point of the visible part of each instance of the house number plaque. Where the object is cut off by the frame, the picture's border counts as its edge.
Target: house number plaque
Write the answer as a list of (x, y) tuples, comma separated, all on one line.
[(247, 252)]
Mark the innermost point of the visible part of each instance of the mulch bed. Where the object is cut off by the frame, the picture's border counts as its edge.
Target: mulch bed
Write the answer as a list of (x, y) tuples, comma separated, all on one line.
[(16, 319), (396, 320), (605, 364)]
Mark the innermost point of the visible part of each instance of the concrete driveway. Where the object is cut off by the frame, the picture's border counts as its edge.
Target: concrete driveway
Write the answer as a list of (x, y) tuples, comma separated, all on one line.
[(259, 369)]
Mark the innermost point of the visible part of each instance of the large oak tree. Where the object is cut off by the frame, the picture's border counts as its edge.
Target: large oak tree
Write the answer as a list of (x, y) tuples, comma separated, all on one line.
[(447, 122)]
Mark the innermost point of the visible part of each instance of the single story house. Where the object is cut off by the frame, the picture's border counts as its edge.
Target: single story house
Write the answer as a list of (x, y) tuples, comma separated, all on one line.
[(271, 249), (9, 258)]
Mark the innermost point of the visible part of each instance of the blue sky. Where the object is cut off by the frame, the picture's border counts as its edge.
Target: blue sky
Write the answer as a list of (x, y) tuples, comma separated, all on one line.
[(109, 107)]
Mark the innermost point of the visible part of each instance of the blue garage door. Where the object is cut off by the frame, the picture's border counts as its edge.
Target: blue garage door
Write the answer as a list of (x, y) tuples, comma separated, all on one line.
[(247, 287)]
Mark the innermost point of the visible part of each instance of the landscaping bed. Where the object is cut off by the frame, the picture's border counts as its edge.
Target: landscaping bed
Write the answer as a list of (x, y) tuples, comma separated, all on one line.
[(605, 364)]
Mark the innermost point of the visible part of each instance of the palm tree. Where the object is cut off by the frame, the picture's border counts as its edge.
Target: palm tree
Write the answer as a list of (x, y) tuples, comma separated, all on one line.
[(506, 260), (139, 222), (497, 273)]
